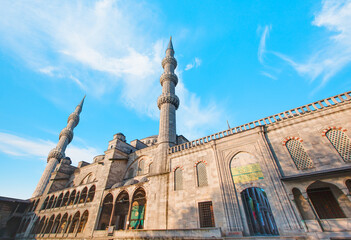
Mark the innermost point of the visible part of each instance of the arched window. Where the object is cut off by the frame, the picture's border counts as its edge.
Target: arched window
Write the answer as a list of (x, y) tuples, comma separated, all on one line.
[(68, 224), (130, 173), (324, 201), (49, 225), (201, 174), (150, 167), (87, 179), (91, 194), (40, 226), (65, 199), (45, 203), (141, 167), (75, 221), (56, 224), (72, 197), (35, 226), (84, 195), (77, 198), (51, 202), (302, 205), (59, 200), (341, 143), (106, 212), (137, 213), (121, 210), (298, 154), (83, 221), (178, 179), (35, 205), (63, 224), (258, 212)]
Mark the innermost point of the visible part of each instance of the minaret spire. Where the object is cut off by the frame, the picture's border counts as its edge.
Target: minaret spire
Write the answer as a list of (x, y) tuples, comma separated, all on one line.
[(168, 103), (57, 153)]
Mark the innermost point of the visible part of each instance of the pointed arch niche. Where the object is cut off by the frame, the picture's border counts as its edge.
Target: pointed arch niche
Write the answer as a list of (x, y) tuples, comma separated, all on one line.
[(245, 168)]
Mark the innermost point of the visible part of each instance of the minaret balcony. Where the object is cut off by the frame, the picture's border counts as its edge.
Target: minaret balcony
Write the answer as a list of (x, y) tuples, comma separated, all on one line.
[(170, 60), (170, 77), (168, 98)]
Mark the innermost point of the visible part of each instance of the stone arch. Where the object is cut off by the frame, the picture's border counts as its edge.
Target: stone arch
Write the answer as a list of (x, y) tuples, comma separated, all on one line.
[(91, 194), (106, 210), (56, 224), (83, 196), (137, 212), (87, 179), (41, 225), (298, 154), (245, 168), (45, 203), (49, 225), (59, 200), (77, 198), (65, 199), (120, 215), (75, 221), (302, 205), (328, 200), (201, 174), (83, 221), (340, 141), (51, 202), (63, 223), (71, 198), (141, 167), (178, 178)]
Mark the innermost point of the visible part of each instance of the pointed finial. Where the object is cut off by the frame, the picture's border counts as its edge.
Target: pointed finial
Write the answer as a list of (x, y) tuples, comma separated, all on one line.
[(170, 45), (81, 102)]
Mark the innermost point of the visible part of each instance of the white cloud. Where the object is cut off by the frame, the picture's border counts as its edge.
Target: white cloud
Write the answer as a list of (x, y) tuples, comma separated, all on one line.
[(262, 46), (194, 64), (334, 52), (14, 145), (80, 40), (269, 75)]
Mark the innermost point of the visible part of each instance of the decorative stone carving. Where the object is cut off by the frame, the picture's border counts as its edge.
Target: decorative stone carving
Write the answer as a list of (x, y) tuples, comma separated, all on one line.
[(68, 133), (173, 99), (56, 153), (170, 60), (169, 76), (75, 117)]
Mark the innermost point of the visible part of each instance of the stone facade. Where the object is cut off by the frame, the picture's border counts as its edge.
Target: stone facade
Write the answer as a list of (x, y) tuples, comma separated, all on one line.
[(286, 176)]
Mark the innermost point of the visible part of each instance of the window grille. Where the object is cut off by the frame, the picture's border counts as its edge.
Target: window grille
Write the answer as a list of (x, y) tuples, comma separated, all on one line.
[(298, 154), (141, 167), (201, 174), (258, 212), (341, 143), (178, 179), (206, 214)]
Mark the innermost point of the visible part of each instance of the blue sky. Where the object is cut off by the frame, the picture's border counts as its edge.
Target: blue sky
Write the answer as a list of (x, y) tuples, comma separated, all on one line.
[(237, 60)]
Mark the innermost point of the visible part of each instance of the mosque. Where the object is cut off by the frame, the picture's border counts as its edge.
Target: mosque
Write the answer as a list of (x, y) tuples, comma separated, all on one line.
[(285, 176)]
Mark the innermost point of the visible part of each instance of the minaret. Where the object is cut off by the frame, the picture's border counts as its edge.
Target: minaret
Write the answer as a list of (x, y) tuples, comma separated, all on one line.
[(168, 103), (57, 153)]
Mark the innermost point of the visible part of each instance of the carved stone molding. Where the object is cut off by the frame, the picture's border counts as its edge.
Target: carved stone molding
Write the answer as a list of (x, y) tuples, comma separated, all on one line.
[(68, 133), (169, 76), (75, 117), (170, 60), (56, 153), (173, 99)]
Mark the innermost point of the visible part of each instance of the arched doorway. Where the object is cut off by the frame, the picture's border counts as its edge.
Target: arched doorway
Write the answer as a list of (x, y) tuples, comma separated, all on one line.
[(121, 210), (328, 200), (137, 213), (258, 212), (106, 212)]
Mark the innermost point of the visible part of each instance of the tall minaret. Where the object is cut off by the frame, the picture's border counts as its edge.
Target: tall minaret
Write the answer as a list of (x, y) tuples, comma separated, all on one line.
[(168, 103), (58, 152)]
